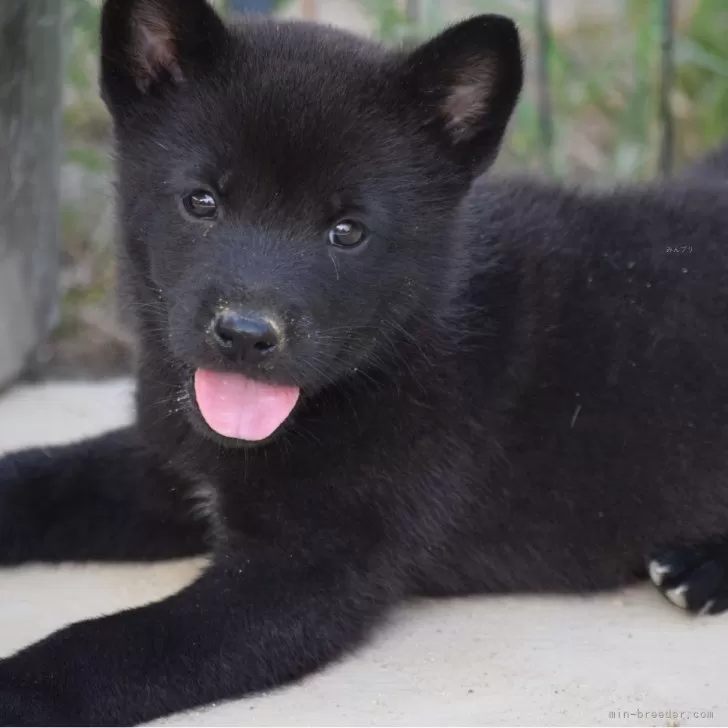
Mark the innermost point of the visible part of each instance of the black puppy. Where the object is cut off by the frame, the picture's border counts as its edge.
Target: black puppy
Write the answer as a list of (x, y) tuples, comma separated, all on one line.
[(382, 373)]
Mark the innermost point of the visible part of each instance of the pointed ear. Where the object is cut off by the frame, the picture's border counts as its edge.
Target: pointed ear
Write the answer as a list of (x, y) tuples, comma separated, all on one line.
[(149, 44), (464, 84)]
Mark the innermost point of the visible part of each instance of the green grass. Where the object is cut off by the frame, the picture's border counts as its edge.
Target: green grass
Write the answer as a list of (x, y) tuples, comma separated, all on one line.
[(604, 85), (604, 94)]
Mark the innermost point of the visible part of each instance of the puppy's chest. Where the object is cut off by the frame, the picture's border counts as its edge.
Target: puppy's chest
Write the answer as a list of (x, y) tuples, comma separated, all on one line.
[(274, 502), (334, 481)]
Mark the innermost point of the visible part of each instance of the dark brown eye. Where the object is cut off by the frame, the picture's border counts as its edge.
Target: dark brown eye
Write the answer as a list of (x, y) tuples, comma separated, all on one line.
[(201, 204), (347, 234)]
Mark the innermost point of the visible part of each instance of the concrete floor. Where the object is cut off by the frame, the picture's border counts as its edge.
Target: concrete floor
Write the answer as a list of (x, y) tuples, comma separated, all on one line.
[(616, 659)]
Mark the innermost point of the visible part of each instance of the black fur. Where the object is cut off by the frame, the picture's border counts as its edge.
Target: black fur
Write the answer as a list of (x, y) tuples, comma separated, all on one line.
[(512, 387)]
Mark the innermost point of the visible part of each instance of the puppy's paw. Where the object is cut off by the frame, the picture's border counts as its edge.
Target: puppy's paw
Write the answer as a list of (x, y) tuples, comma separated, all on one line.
[(693, 578)]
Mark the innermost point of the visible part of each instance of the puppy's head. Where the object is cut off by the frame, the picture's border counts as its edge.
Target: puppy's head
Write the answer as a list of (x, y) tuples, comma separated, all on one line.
[(287, 192)]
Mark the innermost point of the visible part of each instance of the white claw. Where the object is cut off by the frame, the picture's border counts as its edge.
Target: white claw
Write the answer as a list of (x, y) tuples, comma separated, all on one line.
[(678, 596), (707, 607), (658, 572)]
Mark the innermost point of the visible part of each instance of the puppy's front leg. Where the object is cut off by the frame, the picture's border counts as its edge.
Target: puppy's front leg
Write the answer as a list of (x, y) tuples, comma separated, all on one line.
[(251, 622), (107, 498)]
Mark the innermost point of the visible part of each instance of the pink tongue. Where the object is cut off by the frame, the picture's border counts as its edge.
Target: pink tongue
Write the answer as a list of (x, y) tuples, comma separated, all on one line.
[(241, 408)]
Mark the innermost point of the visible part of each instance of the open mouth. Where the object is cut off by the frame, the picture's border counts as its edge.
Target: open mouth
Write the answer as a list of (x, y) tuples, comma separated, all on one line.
[(241, 408)]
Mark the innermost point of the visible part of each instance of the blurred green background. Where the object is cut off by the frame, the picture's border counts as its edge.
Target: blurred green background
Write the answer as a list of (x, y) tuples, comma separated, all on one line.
[(605, 123)]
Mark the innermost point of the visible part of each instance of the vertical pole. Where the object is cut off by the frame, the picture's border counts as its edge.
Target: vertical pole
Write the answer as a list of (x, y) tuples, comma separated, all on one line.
[(667, 77), (412, 11), (309, 10), (545, 120)]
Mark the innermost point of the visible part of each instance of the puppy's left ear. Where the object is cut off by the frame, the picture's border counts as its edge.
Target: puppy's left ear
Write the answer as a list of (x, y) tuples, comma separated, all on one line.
[(463, 86)]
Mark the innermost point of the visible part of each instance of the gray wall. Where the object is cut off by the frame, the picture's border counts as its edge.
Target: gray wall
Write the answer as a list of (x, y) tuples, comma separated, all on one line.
[(30, 133)]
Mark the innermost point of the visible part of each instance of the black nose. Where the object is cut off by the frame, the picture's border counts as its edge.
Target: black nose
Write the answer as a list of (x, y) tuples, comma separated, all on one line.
[(247, 336)]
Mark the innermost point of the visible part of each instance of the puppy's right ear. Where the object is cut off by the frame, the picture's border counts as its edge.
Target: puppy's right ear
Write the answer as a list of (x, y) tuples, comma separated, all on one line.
[(148, 46)]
